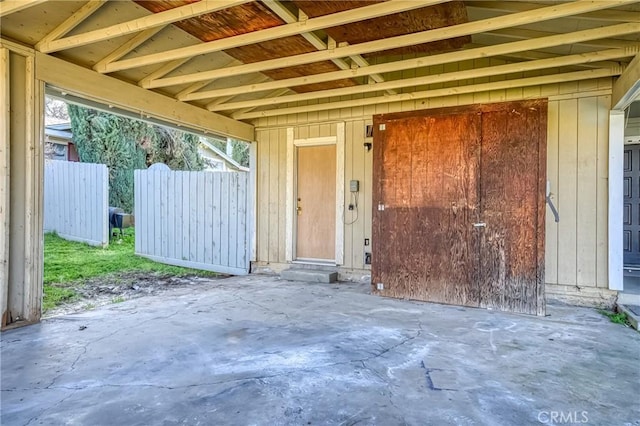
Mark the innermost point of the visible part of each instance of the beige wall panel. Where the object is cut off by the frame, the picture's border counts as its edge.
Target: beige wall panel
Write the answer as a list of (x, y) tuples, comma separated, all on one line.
[(567, 186), (587, 180), (276, 173), (262, 187), (4, 178), (551, 227), (349, 216), (282, 180), (602, 189)]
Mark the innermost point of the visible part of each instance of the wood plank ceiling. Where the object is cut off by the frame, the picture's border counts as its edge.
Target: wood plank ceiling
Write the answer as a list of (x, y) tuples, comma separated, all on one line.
[(250, 59)]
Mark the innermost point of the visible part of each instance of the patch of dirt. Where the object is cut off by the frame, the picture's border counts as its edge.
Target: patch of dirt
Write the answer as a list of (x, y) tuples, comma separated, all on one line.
[(123, 286)]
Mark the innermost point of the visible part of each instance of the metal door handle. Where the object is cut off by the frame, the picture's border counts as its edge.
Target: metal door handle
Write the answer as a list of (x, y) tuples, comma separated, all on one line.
[(479, 225)]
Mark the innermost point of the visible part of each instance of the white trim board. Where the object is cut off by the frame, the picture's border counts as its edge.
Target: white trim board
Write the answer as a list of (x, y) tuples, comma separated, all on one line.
[(616, 175), (290, 222)]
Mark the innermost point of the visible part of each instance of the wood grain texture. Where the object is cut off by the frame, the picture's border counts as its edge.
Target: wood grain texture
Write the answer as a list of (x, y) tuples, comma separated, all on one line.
[(441, 15), (438, 172), (247, 18), (316, 196), (425, 176), (510, 197)]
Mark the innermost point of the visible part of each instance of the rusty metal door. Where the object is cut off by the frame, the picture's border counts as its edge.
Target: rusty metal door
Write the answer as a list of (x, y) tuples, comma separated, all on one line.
[(458, 206)]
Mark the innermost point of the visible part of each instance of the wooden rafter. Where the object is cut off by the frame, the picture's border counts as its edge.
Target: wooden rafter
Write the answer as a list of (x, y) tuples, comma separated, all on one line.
[(518, 67), (7, 7), (128, 46), (534, 54), (525, 34), (335, 19), (140, 24), (521, 6), (163, 70), (439, 59), (71, 22), (627, 88), (394, 42), (449, 91), (273, 94)]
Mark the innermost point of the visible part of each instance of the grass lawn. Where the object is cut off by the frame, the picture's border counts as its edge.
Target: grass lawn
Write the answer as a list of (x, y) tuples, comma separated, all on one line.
[(68, 263)]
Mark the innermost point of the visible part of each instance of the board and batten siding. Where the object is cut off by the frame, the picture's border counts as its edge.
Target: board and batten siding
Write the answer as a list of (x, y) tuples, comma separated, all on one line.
[(76, 201), (193, 219), (577, 168)]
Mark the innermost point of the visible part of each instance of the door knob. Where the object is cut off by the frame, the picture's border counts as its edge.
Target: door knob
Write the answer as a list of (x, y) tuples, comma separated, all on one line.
[(479, 225)]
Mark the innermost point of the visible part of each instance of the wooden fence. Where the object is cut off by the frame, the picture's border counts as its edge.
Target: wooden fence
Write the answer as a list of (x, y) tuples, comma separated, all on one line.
[(193, 219), (76, 201)]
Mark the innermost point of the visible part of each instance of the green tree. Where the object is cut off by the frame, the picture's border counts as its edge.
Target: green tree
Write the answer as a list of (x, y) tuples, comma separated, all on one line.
[(124, 145)]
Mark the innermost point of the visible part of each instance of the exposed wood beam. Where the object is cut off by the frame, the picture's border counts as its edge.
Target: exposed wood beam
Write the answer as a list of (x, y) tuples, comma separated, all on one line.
[(273, 94), (533, 55), (518, 6), (313, 24), (71, 22), (396, 42), (127, 46), (201, 84), (107, 90), (7, 7), (627, 88), (140, 24), (439, 59), (490, 71), (192, 88), (259, 78), (449, 91), (163, 70), (523, 34)]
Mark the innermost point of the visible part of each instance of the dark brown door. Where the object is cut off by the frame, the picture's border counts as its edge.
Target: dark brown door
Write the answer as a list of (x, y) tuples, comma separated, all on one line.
[(426, 199), (631, 236), (512, 185), (459, 206)]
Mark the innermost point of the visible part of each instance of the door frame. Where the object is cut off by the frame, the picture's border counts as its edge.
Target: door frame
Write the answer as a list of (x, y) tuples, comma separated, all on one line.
[(291, 181)]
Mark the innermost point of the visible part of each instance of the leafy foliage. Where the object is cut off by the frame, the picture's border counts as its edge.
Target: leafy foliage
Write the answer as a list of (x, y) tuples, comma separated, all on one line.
[(616, 317), (124, 145)]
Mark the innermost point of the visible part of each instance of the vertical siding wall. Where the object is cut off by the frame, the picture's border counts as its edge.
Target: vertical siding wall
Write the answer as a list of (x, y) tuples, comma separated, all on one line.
[(76, 201), (576, 248)]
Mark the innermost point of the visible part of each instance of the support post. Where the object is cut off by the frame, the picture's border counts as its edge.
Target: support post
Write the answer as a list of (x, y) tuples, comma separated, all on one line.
[(616, 152)]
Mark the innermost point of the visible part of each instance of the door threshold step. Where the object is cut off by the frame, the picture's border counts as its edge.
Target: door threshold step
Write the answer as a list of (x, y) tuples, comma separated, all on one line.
[(309, 275), (632, 312)]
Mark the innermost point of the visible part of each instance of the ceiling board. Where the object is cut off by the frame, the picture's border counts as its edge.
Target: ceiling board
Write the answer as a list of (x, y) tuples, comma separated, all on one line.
[(441, 15), (247, 18)]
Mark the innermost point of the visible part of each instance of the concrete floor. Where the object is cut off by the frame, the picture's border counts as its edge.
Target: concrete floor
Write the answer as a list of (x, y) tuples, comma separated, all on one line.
[(257, 350)]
